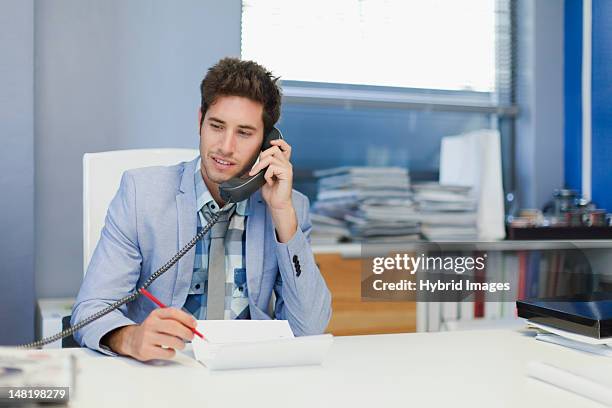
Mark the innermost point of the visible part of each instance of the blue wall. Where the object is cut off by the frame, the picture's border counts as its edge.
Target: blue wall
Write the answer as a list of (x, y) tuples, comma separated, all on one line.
[(601, 99), (573, 93), (602, 103)]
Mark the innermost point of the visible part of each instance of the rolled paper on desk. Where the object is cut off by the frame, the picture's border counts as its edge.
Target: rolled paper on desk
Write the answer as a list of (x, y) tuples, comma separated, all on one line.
[(589, 385)]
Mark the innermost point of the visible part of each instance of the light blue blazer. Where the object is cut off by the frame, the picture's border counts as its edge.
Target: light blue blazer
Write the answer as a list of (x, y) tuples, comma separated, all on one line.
[(152, 216)]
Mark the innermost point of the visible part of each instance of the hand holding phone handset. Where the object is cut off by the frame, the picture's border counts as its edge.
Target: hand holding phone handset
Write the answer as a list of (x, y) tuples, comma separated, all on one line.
[(232, 191), (238, 189)]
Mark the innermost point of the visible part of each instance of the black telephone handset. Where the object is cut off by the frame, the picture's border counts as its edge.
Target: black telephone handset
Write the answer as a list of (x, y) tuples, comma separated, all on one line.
[(232, 191), (238, 189)]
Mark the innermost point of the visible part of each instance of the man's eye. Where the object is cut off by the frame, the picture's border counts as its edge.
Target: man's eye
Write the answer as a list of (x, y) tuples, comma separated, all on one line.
[(243, 133), (214, 125)]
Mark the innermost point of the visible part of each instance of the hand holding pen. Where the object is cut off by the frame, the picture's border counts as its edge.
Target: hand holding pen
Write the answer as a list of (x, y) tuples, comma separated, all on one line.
[(163, 332), (160, 304)]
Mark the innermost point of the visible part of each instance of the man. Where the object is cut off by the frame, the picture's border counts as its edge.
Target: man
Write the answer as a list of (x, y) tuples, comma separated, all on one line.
[(157, 210)]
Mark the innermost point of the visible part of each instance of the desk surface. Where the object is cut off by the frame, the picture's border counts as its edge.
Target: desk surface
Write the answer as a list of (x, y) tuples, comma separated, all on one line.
[(469, 368)]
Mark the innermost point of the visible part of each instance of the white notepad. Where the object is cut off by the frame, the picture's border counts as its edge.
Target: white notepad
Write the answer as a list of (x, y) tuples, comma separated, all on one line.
[(234, 344)]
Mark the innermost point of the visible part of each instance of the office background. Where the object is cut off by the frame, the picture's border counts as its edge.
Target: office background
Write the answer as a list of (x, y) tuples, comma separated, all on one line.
[(86, 76)]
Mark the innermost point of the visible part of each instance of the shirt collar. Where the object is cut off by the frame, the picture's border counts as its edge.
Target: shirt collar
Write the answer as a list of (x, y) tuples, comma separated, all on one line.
[(204, 197)]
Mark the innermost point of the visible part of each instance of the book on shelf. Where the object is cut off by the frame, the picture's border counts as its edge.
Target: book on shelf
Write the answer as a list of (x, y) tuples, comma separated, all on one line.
[(530, 273)]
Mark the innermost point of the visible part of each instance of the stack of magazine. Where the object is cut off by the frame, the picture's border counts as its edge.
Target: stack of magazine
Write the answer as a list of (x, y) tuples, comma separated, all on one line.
[(373, 204), (327, 230), (447, 213), (52, 373)]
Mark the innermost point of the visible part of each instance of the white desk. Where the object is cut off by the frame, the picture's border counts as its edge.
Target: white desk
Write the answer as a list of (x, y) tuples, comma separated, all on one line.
[(454, 369)]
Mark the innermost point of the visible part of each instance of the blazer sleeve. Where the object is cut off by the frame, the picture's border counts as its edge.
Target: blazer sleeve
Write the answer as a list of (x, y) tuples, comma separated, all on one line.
[(113, 271), (302, 297)]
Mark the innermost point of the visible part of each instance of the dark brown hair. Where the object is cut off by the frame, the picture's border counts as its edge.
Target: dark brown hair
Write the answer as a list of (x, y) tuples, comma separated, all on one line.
[(233, 77)]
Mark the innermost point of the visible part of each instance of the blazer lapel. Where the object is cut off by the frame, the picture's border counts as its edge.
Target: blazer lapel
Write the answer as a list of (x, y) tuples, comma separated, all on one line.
[(187, 229), (255, 232)]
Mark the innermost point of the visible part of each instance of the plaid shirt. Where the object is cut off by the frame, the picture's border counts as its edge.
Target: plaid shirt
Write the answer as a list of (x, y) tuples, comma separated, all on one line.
[(236, 295)]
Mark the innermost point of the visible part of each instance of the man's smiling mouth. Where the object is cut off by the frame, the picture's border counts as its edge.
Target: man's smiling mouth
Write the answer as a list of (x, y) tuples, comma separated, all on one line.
[(222, 164)]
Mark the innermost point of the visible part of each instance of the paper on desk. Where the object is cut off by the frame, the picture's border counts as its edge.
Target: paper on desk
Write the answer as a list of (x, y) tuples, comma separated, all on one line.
[(219, 332), (222, 331), (33, 368), (234, 344), (589, 381), (601, 349), (569, 335)]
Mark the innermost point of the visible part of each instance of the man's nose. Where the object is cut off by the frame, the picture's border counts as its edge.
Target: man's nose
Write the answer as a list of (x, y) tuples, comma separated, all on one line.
[(228, 143)]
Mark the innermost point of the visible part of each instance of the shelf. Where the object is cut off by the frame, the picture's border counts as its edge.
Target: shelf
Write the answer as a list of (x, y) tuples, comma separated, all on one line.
[(353, 250)]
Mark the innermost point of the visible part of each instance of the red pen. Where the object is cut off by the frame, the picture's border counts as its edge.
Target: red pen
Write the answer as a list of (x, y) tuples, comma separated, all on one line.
[(160, 304)]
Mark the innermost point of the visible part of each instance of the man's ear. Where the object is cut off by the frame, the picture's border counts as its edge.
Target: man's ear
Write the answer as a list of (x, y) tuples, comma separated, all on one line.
[(199, 119)]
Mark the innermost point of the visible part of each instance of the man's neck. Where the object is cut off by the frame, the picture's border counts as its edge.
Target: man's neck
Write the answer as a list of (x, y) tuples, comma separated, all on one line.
[(213, 188)]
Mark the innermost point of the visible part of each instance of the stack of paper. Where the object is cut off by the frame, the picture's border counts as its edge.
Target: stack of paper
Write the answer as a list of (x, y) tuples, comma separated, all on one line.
[(327, 230), (236, 344), (446, 213), (572, 340), (374, 203), (28, 368)]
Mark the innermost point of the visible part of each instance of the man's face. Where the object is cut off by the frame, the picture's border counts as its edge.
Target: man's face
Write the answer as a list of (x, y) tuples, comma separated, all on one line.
[(230, 137)]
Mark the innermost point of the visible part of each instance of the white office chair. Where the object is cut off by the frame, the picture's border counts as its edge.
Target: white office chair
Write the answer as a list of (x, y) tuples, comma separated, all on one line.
[(101, 178)]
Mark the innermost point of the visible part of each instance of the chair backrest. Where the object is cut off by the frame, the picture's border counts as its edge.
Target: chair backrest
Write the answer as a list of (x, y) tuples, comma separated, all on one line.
[(101, 178)]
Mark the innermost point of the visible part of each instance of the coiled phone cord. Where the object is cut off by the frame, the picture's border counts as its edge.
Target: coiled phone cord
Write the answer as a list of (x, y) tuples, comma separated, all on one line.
[(132, 296)]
